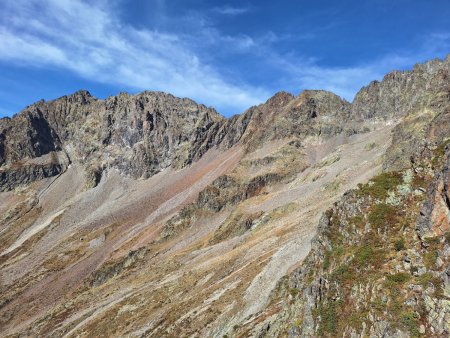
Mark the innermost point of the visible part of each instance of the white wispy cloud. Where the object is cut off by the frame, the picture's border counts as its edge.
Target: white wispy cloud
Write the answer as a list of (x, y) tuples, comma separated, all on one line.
[(299, 72), (343, 81), (230, 10), (90, 41)]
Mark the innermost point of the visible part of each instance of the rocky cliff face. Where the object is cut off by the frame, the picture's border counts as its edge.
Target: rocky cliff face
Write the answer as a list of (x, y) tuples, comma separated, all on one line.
[(378, 267), (379, 264), (151, 215), (401, 92), (140, 135), (315, 114), (145, 133)]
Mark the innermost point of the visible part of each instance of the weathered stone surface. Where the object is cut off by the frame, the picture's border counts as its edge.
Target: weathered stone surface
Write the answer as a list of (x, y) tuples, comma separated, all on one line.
[(26, 171), (138, 134), (145, 133), (434, 219), (26, 135), (401, 92), (318, 114)]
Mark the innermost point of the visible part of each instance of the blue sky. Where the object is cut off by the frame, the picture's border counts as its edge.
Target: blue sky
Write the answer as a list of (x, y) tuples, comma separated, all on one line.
[(225, 54)]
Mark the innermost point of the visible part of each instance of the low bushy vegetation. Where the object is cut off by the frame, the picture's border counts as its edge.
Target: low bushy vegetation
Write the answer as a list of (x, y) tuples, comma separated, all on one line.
[(410, 321), (380, 185), (382, 214), (365, 248), (329, 315)]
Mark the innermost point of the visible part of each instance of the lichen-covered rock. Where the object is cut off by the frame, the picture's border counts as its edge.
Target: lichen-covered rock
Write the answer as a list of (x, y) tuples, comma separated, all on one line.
[(434, 219), (137, 134), (375, 269), (399, 93)]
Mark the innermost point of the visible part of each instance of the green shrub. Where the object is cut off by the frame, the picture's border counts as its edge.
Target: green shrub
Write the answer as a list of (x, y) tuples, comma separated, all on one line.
[(379, 186), (399, 244), (357, 221), (433, 241), (410, 321), (379, 305), (425, 279), (364, 255), (330, 254), (430, 258), (439, 153), (370, 146), (381, 214), (343, 274), (356, 319), (329, 317), (338, 251), (298, 322), (399, 278)]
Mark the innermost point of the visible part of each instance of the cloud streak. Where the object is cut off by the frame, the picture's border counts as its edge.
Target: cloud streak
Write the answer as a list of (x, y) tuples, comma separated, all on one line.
[(299, 72), (230, 10), (89, 41)]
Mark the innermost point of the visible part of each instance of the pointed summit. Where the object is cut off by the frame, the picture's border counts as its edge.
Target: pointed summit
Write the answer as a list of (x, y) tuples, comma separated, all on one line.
[(81, 96), (280, 99)]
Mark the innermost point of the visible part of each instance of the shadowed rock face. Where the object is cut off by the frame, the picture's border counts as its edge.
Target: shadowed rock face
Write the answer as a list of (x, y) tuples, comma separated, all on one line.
[(9, 179), (27, 135)]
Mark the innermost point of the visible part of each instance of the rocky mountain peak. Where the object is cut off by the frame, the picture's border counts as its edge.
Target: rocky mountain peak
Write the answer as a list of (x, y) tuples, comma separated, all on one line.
[(401, 91), (138, 134), (321, 102), (144, 133), (81, 96), (279, 99)]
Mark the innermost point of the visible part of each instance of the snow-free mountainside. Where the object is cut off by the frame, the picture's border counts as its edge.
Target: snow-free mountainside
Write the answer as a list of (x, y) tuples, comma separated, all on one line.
[(153, 216)]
